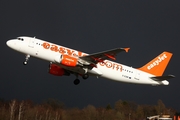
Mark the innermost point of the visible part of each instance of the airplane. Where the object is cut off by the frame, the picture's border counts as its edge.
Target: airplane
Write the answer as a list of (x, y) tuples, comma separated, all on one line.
[(64, 61)]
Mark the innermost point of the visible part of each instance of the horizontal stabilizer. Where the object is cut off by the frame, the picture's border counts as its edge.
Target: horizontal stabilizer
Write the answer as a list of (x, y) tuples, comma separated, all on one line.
[(161, 78)]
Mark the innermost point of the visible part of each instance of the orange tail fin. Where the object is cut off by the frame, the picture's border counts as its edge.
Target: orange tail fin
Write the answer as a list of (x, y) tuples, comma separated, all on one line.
[(158, 64)]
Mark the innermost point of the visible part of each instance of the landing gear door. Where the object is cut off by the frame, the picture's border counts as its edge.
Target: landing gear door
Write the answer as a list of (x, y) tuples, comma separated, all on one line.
[(31, 42)]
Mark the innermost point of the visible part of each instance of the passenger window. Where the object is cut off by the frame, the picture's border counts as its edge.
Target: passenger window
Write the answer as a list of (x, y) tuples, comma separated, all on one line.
[(21, 39)]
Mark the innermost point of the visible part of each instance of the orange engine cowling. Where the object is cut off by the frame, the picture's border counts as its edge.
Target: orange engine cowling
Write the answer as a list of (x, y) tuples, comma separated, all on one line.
[(66, 60), (56, 70)]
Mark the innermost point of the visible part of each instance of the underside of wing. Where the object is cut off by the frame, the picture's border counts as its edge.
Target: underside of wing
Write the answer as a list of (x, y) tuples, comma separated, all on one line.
[(101, 56)]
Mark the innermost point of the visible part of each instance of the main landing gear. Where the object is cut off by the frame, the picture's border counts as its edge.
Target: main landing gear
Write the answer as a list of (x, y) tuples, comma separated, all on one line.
[(85, 76), (26, 60), (77, 81)]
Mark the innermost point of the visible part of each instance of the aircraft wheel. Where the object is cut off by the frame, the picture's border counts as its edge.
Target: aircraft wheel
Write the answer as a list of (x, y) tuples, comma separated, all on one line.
[(76, 81), (25, 63), (85, 76)]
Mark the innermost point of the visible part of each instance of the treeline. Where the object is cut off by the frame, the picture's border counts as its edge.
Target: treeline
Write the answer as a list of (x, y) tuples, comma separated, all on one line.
[(52, 109)]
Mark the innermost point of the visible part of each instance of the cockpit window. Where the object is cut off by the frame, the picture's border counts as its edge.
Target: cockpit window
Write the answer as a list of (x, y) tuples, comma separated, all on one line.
[(20, 39)]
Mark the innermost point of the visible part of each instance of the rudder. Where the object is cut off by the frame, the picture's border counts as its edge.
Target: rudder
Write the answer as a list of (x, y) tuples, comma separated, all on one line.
[(158, 65)]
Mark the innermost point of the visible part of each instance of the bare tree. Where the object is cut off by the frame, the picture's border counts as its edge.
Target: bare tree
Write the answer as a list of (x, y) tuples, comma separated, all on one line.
[(12, 109), (20, 110), (160, 108), (47, 114), (90, 112), (52, 110)]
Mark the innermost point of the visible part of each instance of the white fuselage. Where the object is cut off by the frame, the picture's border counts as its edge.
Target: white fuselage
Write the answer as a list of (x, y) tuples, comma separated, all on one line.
[(109, 69)]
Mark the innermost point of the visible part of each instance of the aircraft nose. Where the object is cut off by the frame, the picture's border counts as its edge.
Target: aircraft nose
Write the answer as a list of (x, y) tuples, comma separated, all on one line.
[(10, 43)]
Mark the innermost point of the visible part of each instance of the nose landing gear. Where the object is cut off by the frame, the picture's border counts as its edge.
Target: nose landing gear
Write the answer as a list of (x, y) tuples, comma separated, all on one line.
[(26, 60)]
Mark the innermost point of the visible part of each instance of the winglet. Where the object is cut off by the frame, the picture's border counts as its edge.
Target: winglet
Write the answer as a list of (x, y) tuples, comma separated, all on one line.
[(126, 49)]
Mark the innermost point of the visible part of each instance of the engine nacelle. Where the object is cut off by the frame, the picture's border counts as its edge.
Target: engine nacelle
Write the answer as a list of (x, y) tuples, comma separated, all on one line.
[(66, 60), (56, 70)]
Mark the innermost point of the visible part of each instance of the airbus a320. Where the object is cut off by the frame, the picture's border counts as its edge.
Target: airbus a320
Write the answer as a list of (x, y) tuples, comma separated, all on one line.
[(65, 61)]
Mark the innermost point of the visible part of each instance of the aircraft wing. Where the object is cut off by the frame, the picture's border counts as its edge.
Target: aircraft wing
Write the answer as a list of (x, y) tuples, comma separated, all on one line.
[(161, 78), (101, 56)]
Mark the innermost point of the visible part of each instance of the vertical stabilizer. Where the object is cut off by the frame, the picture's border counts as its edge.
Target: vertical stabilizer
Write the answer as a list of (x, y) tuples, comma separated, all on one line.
[(158, 64)]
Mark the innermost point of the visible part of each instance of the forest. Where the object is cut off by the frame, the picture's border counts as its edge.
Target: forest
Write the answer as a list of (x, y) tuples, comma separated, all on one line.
[(52, 109)]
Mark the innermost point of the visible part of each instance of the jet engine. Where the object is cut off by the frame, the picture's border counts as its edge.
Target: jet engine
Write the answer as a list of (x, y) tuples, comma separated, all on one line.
[(66, 60), (56, 70)]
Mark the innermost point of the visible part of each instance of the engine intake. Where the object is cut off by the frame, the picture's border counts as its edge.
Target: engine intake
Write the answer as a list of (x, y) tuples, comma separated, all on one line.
[(57, 70)]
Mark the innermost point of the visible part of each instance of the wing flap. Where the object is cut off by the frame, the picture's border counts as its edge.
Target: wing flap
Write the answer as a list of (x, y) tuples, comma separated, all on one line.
[(101, 56), (161, 78)]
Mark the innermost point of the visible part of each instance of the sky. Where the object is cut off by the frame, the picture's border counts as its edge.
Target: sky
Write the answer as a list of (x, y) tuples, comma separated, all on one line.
[(148, 27)]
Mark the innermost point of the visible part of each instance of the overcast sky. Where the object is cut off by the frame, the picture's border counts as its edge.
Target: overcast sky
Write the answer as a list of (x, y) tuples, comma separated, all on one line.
[(147, 27)]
